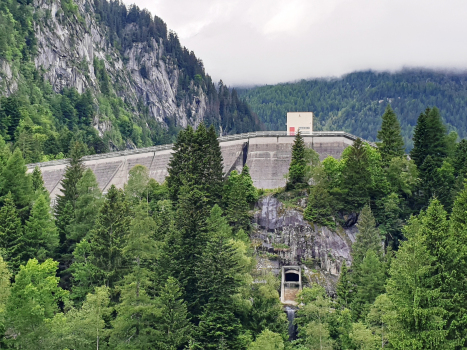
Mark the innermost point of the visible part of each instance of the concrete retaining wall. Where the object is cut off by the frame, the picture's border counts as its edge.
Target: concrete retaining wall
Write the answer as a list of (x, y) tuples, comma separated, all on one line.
[(267, 154)]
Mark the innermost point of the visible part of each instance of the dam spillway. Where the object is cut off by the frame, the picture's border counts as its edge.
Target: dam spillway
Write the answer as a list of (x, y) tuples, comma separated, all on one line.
[(266, 153)]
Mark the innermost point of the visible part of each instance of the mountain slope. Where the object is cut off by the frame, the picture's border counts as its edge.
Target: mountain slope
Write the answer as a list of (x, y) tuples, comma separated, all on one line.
[(112, 76), (355, 102)]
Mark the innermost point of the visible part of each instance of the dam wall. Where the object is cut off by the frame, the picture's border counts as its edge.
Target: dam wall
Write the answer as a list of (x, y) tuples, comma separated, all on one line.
[(266, 153)]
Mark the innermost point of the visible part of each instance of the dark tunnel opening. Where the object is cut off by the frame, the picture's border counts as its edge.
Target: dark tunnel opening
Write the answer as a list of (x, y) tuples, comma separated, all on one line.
[(291, 277)]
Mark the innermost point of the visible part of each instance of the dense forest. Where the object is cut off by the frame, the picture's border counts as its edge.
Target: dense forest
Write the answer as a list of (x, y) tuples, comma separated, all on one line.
[(171, 266), (355, 102), (43, 122)]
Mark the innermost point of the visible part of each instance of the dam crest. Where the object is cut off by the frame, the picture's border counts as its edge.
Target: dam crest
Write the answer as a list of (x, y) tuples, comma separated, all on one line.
[(266, 153)]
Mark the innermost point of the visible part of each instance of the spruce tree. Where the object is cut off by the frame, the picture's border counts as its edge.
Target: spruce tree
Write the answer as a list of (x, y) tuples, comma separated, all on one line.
[(173, 326), (15, 180), (392, 144), (251, 192), (368, 237), (344, 287), (319, 207), (355, 177), (235, 202), (5, 276), (297, 168), (109, 237), (87, 208), (38, 183), (11, 234), (40, 232), (66, 202), (460, 159), (429, 138), (217, 275), (369, 280), (421, 143)]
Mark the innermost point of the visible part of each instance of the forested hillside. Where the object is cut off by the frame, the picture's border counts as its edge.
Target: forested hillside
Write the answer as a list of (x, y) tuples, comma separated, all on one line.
[(355, 102), (172, 265), (110, 76)]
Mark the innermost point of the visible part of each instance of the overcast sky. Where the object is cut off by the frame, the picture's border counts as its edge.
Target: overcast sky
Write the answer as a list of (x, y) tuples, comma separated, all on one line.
[(270, 41)]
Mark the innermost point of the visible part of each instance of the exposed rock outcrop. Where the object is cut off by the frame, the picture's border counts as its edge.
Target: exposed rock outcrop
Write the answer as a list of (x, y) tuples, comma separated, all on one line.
[(283, 237)]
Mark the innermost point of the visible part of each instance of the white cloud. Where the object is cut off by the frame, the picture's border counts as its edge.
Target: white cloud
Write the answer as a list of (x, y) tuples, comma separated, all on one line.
[(270, 41)]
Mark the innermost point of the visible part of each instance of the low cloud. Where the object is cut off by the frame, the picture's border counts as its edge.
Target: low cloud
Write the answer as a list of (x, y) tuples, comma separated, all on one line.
[(249, 42)]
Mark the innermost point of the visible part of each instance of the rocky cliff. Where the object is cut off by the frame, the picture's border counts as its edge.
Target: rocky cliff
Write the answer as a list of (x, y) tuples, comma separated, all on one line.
[(138, 73), (283, 237)]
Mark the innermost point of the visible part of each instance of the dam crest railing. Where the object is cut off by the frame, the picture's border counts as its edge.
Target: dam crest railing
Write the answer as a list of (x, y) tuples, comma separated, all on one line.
[(226, 138)]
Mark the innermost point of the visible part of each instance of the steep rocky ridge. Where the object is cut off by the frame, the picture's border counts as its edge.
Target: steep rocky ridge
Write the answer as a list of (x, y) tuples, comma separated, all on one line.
[(140, 76), (283, 237)]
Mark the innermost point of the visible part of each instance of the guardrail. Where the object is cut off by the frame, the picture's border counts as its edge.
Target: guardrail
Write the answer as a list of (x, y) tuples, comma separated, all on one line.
[(247, 135)]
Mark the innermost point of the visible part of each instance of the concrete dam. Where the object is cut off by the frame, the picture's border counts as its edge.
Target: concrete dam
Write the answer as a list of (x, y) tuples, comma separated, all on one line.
[(266, 153)]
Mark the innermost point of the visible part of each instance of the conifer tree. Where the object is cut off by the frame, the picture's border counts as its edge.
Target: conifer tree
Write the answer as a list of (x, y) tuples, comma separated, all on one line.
[(109, 237), (173, 325), (217, 224), (368, 237), (392, 144), (355, 177), (319, 206), (217, 275), (87, 207), (5, 277), (11, 234), (344, 287), (429, 138), (38, 183), (66, 202), (460, 159), (297, 168), (15, 180), (251, 192), (369, 280), (235, 202), (40, 232), (213, 170), (133, 327)]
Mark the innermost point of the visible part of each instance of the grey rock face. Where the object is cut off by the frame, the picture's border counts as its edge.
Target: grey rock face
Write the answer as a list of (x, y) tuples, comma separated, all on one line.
[(284, 235), (67, 48)]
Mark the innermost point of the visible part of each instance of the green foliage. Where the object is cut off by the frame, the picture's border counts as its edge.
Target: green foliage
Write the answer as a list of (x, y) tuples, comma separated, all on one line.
[(235, 199), (14, 179), (5, 276), (368, 237), (267, 340), (12, 242), (297, 168), (40, 233), (355, 102), (392, 144), (33, 301)]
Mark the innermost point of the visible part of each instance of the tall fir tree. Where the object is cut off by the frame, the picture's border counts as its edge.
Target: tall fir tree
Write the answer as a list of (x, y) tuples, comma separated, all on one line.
[(217, 275), (87, 208), (109, 237), (40, 233), (392, 144), (429, 138), (251, 192), (460, 159), (15, 180), (369, 280), (344, 287), (368, 237), (355, 177), (197, 159), (66, 202), (173, 326), (11, 234), (297, 168), (236, 203), (38, 184)]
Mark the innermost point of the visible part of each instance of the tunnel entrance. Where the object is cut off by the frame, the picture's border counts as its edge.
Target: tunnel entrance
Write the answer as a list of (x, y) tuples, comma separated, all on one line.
[(292, 277), (291, 284)]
